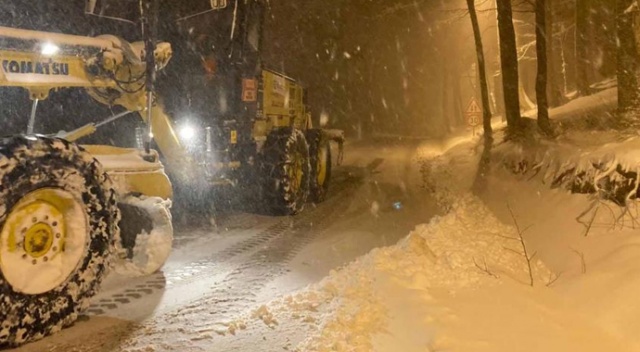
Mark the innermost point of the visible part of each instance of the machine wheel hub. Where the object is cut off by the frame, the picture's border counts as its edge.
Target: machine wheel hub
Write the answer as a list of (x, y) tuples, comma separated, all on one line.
[(34, 256), (38, 240)]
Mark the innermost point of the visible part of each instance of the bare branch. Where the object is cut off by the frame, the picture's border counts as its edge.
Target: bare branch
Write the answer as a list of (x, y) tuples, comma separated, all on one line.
[(508, 237), (595, 212), (628, 213), (583, 264), (513, 250), (553, 279), (485, 269), (524, 246)]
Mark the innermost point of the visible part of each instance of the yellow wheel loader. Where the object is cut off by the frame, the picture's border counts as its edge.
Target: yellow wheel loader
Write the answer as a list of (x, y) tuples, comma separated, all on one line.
[(61, 204), (68, 211)]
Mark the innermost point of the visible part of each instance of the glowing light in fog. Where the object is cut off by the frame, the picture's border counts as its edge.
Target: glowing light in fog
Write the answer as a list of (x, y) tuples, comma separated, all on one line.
[(49, 49), (324, 118), (187, 132)]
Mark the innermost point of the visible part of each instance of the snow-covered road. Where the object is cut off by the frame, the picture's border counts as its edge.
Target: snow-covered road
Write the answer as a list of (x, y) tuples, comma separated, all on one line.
[(217, 276)]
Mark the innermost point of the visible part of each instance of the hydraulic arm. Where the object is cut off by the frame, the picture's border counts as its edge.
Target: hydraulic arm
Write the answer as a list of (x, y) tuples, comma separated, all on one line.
[(112, 70)]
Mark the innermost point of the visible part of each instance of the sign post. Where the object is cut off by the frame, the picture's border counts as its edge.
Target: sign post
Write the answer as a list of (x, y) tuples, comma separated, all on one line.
[(473, 114)]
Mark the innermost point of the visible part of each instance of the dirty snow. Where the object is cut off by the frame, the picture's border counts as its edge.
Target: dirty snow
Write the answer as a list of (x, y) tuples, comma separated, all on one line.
[(151, 249)]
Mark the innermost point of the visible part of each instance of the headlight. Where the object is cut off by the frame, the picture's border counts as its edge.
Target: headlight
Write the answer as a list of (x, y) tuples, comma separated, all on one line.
[(187, 133), (49, 49)]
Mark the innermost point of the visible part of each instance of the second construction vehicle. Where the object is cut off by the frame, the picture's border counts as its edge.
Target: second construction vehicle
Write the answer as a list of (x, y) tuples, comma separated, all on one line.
[(68, 212), (246, 124)]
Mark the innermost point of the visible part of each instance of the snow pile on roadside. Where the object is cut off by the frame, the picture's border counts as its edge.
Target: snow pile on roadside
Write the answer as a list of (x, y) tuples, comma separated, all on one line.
[(598, 162), (444, 253), (600, 103), (466, 248), (151, 250), (579, 149)]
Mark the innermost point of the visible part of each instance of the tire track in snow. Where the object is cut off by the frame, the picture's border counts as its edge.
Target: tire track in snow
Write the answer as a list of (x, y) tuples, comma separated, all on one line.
[(238, 290), (184, 274), (281, 241), (236, 293)]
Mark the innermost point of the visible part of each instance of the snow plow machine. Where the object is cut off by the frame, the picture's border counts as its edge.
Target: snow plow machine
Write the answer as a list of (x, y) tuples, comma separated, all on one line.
[(69, 212)]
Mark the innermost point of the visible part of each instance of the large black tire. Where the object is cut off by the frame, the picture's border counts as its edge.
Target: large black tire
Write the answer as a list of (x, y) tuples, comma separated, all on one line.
[(285, 171), (33, 164), (320, 159)]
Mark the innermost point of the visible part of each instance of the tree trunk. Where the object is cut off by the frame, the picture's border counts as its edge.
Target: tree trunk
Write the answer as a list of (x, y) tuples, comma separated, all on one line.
[(556, 95), (457, 101), (446, 94), (582, 61), (509, 67), (563, 60), (604, 16), (627, 61), (484, 88), (541, 78)]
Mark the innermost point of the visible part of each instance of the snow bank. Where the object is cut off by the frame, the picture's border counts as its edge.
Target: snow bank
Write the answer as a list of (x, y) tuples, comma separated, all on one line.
[(585, 112), (461, 282), (601, 102), (464, 249), (602, 163)]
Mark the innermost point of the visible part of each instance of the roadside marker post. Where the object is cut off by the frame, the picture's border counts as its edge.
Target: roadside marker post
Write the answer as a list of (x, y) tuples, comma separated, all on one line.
[(473, 114)]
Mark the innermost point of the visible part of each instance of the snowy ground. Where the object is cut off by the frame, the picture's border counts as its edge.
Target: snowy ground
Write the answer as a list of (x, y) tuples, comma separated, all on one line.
[(461, 282), (216, 279), (493, 261)]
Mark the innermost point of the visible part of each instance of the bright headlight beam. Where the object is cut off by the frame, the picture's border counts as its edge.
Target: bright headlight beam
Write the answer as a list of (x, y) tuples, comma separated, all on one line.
[(49, 49), (187, 132)]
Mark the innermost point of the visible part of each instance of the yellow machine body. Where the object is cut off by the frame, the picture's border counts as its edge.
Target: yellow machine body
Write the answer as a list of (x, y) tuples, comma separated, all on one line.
[(40, 74), (282, 103), (100, 65), (132, 171)]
